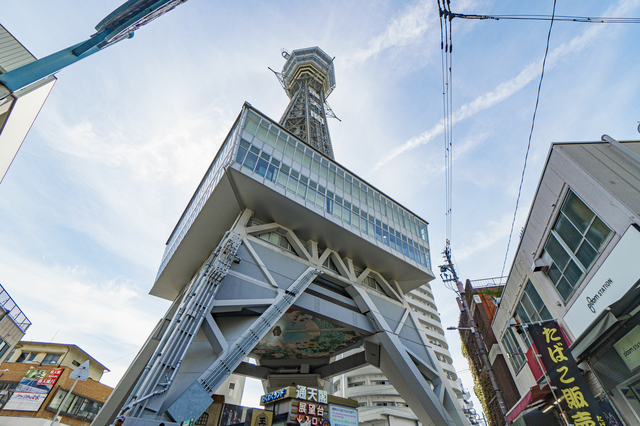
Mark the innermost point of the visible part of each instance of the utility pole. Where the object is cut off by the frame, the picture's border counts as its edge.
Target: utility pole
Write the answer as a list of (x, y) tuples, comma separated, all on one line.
[(448, 273)]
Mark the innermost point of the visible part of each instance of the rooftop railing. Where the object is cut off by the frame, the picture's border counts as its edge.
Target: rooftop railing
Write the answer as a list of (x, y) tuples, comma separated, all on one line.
[(489, 282), (12, 309)]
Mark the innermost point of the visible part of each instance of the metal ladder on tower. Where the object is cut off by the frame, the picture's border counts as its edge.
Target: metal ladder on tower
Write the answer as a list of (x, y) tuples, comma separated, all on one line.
[(166, 360)]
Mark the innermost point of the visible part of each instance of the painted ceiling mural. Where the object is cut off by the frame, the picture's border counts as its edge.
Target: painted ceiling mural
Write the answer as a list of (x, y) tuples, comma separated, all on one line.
[(301, 336)]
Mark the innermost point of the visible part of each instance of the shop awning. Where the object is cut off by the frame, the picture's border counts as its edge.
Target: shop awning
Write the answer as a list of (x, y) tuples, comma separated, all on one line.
[(534, 395), (608, 322)]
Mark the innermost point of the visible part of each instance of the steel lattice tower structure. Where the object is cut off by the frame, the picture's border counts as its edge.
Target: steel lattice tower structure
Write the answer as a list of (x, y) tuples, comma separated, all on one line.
[(286, 257), (308, 77)]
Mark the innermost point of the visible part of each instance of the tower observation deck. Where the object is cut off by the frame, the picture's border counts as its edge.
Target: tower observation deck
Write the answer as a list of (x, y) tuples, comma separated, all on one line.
[(308, 77)]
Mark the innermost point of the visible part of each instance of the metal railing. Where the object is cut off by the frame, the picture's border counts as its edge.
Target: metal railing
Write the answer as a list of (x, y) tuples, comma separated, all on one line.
[(489, 282), (16, 314)]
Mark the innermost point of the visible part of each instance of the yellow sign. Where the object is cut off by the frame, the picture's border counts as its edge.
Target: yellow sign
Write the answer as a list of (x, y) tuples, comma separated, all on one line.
[(261, 417)]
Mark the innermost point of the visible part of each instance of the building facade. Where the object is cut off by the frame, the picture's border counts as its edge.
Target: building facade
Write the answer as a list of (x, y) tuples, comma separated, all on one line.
[(577, 263), (25, 402), (482, 297), (285, 256)]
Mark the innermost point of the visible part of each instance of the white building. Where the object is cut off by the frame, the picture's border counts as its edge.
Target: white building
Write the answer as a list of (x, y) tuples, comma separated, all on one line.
[(578, 262)]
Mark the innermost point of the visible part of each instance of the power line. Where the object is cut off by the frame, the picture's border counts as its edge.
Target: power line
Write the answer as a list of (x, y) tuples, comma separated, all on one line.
[(533, 122), (565, 18)]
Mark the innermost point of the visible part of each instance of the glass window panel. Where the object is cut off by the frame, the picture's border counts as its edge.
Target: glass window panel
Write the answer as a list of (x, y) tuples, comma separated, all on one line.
[(532, 312), (320, 201), (57, 399), (564, 288), (289, 150), (557, 252), (337, 210), (302, 190), (586, 254), (262, 132), (315, 166), (378, 233), (355, 220), (272, 172), (307, 160), (554, 273), (274, 238), (573, 273), (299, 155), (284, 243), (568, 233), (271, 137), (261, 169), (250, 161), (292, 184), (311, 195), (329, 205), (250, 126), (545, 315), (282, 178), (331, 178), (323, 171), (339, 181), (577, 212), (346, 215), (534, 296), (242, 151), (597, 233), (281, 143), (522, 315)]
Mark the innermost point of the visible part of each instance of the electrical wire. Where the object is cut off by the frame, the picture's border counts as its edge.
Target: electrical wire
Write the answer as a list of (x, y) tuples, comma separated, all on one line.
[(565, 18), (533, 121), (446, 47)]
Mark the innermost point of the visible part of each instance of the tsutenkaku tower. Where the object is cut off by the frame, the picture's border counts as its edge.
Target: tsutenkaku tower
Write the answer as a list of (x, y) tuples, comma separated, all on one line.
[(308, 77), (286, 257)]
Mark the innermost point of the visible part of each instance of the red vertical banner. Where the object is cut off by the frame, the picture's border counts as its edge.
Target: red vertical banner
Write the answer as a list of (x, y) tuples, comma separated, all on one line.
[(576, 399)]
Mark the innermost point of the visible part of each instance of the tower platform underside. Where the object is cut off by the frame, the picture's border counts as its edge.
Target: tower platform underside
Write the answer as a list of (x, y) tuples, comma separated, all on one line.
[(290, 271)]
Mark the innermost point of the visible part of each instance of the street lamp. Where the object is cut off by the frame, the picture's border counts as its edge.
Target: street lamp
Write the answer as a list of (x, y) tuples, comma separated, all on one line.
[(473, 330)]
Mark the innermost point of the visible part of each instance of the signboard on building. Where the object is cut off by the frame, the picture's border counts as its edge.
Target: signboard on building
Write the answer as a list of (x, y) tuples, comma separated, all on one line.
[(312, 406), (572, 391), (261, 417), (33, 390), (343, 416), (617, 274), (629, 348)]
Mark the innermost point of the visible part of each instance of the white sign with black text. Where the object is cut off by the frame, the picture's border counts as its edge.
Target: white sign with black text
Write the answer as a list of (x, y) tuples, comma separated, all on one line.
[(629, 348), (617, 274)]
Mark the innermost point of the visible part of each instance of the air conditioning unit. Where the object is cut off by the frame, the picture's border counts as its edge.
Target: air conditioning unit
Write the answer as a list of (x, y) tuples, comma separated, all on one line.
[(540, 265)]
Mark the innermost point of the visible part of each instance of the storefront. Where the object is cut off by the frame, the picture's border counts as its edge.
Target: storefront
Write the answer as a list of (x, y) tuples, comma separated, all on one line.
[(608, 330)]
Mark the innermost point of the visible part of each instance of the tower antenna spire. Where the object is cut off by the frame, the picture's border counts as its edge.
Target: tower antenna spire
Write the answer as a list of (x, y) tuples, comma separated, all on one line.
[(308, 78)]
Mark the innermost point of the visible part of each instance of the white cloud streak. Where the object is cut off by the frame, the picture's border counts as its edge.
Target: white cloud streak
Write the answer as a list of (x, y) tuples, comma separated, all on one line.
[(401, 31), (510, 87)]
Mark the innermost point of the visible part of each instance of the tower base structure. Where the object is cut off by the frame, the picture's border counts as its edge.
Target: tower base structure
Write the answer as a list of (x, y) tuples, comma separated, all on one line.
[(279, 260)]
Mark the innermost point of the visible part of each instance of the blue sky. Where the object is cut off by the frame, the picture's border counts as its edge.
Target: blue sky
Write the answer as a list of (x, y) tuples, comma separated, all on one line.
[(127, 134)]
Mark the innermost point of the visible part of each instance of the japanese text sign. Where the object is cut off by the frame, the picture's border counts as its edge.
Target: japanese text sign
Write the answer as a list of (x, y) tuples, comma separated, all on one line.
[(577, 400)]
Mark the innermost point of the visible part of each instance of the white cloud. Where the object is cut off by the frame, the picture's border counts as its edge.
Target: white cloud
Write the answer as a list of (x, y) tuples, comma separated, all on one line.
[(406, 29)]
